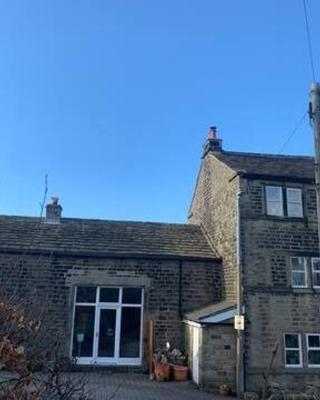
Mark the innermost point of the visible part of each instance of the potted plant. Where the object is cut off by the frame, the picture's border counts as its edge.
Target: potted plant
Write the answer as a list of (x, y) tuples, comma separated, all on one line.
[(161, 365), (178, 360), (225, 389)]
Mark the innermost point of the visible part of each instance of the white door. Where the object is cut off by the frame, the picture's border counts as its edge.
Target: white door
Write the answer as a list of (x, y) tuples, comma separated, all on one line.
[(106, 345), (195, 359)]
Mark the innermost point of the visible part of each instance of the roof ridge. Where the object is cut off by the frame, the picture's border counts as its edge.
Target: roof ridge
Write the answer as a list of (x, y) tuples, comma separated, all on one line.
[(97, 220), (269, 155)]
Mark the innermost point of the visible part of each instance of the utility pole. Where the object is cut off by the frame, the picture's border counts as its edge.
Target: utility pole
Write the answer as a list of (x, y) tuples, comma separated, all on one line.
[(314, 111)]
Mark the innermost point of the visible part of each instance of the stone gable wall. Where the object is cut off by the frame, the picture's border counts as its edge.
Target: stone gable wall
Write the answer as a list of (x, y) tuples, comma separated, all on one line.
[(214, 208)]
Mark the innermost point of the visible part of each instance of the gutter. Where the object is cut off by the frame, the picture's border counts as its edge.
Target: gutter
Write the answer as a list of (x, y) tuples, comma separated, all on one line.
[(100, 254)]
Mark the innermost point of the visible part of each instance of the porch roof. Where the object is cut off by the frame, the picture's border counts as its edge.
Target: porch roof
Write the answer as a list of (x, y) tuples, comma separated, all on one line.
[(213, 313)]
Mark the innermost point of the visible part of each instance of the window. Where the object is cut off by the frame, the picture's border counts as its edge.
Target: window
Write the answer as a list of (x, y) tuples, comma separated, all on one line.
[(274, 200), (107, 325), (284, 202), (305, 272), (299, 272), (294, 203), (315, 266), (292, 350), (313, 350)]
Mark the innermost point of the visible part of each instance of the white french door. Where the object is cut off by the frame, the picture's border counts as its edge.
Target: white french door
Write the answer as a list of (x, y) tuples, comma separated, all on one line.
[(107, 332), (107, 326)]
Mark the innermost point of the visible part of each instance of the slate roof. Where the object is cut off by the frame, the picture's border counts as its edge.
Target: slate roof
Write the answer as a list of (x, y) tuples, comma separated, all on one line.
[(104, 238), (210, 310), (301, 167)]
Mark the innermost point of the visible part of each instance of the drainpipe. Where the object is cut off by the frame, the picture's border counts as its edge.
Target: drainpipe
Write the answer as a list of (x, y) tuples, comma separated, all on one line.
[(180, 289), (240, 306)]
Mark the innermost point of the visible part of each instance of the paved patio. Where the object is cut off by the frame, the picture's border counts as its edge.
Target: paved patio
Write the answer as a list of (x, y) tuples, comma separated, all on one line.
[(134, 386)]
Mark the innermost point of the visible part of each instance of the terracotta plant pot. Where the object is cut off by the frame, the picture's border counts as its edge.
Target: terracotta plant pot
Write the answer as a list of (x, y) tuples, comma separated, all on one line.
[(180, 373), (161, 371)]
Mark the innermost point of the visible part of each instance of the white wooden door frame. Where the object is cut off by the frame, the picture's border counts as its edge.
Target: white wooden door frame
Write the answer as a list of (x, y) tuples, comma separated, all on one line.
[(195, 354)]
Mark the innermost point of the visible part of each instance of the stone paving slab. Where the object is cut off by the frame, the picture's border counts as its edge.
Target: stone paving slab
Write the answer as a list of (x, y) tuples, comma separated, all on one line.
[(135, 386)]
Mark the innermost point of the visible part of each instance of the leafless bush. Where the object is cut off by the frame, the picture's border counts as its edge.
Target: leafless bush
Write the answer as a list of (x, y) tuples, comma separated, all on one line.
[(31, 357)]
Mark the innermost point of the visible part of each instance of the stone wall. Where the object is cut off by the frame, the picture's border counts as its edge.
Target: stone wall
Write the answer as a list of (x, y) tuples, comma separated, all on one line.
[(214, 208), (217, 354), (269, 316), (273, 306), (50, 281)]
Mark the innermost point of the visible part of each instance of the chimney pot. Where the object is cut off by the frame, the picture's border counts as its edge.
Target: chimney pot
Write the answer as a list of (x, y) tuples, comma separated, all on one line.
[(212, 134), (212, 144), (53, 211), (54, 200)]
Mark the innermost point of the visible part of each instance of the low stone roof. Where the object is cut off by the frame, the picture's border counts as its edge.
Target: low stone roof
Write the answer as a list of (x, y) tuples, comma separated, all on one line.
[(210, 310), (301, 167), (104, 238)]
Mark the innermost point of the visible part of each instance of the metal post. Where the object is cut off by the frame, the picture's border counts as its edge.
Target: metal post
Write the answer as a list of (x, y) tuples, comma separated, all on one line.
[(315, 116), (240, 332)]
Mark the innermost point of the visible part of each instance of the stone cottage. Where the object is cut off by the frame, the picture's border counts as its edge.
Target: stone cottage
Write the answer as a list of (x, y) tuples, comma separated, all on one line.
[(259, 212), (250, 248)]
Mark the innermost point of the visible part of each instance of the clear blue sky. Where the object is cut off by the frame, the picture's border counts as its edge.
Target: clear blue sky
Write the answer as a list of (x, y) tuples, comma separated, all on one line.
[(113, 98)]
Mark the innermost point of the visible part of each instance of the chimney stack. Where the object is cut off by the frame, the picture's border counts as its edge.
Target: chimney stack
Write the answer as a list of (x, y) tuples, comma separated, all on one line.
[(53, 211), (212, 144)]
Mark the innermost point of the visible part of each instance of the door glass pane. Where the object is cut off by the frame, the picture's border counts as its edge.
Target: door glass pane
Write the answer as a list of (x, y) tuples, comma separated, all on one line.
[(130, 332), (131, 295), (107, 331), (86, 294), (83, 331), (109, 295)]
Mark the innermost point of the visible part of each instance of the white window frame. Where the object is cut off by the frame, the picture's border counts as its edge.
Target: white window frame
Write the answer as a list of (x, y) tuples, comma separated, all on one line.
[(116, 360), (300, 272), (272, 201), (314, 272), (294, 202), (312, 348), (292, 349)]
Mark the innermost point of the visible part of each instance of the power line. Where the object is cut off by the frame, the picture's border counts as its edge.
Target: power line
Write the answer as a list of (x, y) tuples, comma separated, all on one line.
[(309, 39), (293, 132)]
